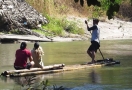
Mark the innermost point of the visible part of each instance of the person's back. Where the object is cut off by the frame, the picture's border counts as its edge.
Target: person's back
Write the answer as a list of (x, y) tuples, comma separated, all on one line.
[(22, 56), (37, 55)]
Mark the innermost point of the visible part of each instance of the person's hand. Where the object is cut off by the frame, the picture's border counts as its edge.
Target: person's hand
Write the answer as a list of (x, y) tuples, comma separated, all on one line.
[(86, 22)]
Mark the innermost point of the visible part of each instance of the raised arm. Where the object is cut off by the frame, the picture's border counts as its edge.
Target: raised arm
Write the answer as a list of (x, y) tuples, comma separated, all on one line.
[(90, 28)]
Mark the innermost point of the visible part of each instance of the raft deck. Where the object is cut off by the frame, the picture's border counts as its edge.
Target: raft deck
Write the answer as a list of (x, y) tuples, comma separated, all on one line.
[(55, 69)]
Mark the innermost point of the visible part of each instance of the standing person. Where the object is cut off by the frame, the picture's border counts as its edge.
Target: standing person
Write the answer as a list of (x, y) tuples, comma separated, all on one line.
[(37, 53), (22, 55), (94, 40)]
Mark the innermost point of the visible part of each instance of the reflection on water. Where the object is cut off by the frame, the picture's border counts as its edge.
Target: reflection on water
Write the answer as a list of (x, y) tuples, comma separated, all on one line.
[(25, 82), (95, 78), (117, 77), (28, 82)]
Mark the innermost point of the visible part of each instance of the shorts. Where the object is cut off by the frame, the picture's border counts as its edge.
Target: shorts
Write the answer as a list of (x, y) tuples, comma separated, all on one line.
[(28, 66), (94, 46), (19, 67)]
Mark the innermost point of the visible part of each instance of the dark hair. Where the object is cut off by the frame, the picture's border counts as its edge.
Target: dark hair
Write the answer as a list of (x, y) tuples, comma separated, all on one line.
[(36, 45), (96, 20), (23, 45)]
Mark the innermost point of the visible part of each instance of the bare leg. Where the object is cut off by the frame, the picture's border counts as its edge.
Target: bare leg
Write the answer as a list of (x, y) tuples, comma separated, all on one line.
[(92, 55), (89, 53)]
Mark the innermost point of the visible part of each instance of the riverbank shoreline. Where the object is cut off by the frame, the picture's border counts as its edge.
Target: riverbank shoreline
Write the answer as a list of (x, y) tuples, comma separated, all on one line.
[(114, 29), (12, 38)]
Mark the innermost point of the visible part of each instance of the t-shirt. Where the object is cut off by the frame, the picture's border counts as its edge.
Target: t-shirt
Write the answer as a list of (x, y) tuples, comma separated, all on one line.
[(22, 57), (95, 33)]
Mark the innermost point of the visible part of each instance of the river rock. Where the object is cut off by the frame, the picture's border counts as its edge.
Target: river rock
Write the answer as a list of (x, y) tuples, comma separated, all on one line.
[(18, 14)]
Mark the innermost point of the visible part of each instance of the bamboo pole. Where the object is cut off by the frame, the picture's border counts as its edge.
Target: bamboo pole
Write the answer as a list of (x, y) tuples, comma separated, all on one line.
[(67, 68), (55, 66), (35, 73), (54, 69)]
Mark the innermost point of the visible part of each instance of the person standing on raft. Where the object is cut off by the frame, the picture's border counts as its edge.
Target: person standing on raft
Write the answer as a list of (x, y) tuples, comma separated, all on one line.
[(95, 43)]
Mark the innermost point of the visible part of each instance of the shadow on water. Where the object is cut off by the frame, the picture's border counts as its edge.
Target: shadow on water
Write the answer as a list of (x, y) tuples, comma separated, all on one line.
[(23, 83), (32, 83)]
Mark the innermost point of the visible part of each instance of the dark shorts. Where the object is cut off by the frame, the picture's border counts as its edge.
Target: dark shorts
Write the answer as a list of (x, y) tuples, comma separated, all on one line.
[(28, 66), (18, 67), (94, 46)]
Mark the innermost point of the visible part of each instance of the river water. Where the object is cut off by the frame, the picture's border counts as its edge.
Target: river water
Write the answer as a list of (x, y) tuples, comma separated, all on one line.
[(117, 77)]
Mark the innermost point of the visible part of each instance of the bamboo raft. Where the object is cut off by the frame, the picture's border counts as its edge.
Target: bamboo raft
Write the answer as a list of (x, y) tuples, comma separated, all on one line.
[(55, 69)]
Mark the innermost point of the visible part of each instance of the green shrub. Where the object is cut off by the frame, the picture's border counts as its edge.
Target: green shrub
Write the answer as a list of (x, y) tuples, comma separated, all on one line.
[(58, 25), (72, 27), (54, 26)]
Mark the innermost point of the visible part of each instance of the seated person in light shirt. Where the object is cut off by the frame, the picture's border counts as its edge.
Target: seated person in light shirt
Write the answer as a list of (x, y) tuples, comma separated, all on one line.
[(37, 53)]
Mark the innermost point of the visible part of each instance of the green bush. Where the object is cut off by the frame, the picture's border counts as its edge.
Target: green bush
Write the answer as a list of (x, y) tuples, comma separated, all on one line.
[(54, 26), (72, 27), (58, 25)]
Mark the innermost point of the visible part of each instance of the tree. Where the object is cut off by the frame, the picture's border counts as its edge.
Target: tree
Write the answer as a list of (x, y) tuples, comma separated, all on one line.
[(110, 6)]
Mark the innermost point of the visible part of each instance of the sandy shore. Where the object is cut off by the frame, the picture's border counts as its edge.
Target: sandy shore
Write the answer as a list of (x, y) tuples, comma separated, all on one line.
[(109, 30)]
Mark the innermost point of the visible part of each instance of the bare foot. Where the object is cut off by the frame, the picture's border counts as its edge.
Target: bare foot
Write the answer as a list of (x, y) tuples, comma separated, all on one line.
[(92, 62)]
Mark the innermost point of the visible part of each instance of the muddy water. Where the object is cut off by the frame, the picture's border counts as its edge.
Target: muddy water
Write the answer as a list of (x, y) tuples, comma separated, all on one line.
[(118, 77)]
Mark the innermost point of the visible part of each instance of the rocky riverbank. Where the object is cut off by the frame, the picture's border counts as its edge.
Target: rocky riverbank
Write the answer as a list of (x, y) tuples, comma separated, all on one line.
[(27, 18), (109, 30)]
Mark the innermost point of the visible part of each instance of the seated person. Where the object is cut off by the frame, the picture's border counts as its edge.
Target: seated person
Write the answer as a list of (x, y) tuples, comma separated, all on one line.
[(37, 53), (22, 56)]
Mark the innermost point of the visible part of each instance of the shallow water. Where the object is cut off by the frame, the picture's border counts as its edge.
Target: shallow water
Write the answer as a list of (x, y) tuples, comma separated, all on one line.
[(118, 77)]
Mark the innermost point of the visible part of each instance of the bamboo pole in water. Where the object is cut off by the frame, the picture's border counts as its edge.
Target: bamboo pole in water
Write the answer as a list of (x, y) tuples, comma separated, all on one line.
[(55, 66), (67, 68), (35, 73), (51, 69)]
